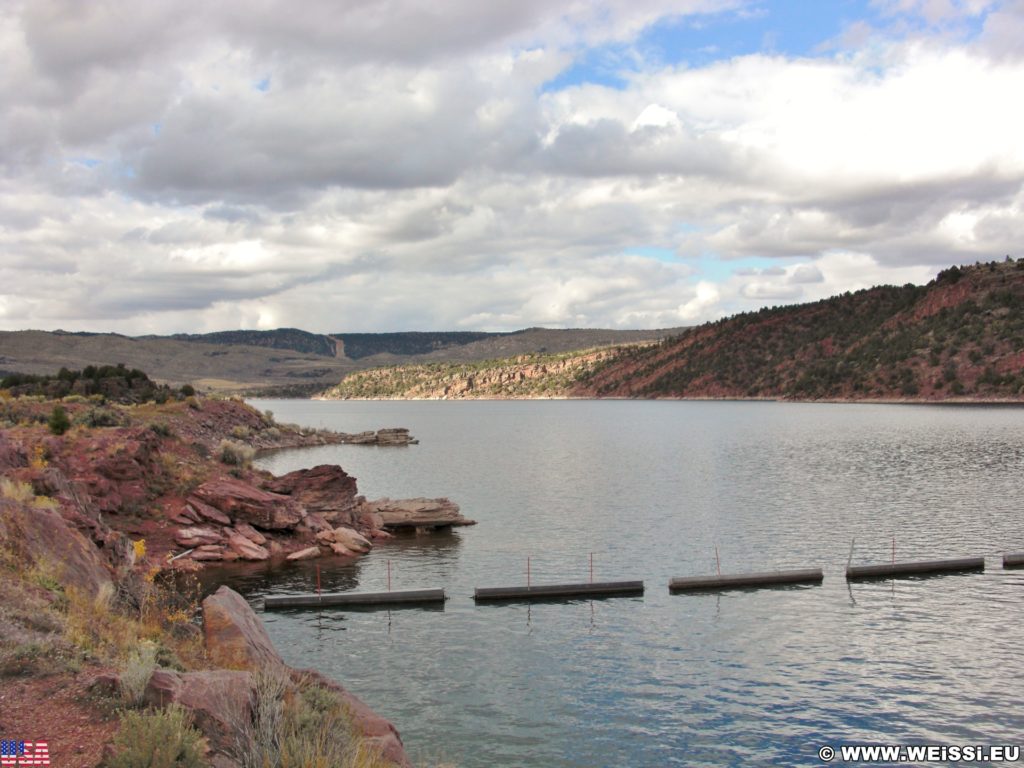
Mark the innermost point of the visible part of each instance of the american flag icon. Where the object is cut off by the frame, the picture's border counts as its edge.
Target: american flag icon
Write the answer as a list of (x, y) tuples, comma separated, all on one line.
[(15, 754)]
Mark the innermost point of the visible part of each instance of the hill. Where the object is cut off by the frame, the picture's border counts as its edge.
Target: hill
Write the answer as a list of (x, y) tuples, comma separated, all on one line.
[(959, 337)]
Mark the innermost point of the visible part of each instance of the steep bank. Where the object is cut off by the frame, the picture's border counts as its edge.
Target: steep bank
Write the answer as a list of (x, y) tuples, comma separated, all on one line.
[(89, 522)]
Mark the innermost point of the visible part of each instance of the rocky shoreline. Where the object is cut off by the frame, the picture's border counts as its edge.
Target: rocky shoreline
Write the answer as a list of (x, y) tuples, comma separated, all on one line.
[(169, 488)]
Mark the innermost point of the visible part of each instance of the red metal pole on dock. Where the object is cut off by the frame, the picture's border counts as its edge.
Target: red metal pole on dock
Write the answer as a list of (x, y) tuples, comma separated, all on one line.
[(318, 581), (894, 549), (389, 575), (527, 571), (718, 563)]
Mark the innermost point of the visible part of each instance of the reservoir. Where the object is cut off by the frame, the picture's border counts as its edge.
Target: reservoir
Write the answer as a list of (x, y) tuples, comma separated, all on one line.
[(651, 489)]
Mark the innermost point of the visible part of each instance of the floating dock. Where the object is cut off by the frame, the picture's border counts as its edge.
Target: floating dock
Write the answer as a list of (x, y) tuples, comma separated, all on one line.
[(921, 568), (741, 580), (561, 591), (1014, 560), (403, 597)]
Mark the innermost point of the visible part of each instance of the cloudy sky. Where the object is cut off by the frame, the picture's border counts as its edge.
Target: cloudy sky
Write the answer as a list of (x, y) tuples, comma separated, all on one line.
[(376, 165)]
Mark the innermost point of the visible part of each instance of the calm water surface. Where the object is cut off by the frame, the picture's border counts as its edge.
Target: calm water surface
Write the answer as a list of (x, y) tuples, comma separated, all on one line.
[(651, 488)]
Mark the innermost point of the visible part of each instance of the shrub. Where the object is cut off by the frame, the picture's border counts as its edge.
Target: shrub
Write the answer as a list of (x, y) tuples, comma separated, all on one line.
[(102, 417), (193, 402), (236, 454), (308, 729), (59, 422), (136, 672), (157, 739), (240, 431), (187, 390), (161, 429)]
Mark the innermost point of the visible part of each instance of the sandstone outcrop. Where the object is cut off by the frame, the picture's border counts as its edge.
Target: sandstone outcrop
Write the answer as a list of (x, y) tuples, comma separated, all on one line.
[(243, 502), (391, 436), (415, 513), (325, 490)]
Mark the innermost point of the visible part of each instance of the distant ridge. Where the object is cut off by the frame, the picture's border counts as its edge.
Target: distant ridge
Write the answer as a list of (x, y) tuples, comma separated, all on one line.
[(282, 338), (282, 362)]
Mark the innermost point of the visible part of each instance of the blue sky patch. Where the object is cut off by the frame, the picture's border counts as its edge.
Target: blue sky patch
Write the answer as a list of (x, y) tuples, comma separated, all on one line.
[(773, 27)]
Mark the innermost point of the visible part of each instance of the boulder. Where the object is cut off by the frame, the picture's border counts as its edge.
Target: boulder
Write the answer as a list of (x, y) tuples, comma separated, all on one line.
[(304, 554), (244, 503), (326, 490), (351, 540), (218, 700), (211, 556), (206, 512), (341, 549), (234, 635), (246, 549), (250, 533), (196, 536)]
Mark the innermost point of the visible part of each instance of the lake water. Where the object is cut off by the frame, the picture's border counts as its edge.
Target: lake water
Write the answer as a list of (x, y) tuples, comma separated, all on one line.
[(651, 488)]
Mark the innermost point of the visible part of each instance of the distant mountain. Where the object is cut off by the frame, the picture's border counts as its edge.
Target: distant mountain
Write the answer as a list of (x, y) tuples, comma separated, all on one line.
[(960, 336)]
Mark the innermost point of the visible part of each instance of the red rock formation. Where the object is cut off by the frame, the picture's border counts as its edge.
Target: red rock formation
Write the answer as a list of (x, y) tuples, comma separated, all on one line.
[(241, 501), (326, 490)]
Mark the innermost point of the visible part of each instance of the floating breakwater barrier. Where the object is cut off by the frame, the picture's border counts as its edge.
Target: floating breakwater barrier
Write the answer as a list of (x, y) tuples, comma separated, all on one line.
[(407, 597), (920, 568), (746, 580), (1013, 560), (560, 591)]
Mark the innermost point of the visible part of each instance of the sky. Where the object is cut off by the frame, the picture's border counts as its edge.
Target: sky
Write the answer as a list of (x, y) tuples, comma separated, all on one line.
[(383, 165)]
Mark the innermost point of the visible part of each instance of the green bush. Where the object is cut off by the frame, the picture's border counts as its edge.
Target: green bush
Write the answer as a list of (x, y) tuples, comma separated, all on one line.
[(157, 739), (59, 422)]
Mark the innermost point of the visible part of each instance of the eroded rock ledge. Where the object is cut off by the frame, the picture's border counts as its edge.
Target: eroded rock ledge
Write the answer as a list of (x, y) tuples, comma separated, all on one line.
[(304, 514)]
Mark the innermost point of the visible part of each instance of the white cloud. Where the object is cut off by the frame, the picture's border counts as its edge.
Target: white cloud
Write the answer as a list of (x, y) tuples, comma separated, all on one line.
[(405, 167)]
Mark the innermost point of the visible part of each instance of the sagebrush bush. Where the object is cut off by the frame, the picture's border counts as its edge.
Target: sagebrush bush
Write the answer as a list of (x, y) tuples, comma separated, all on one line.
[(161, 738), (240, 431), (102, 417), (135, 673), (236, 454), (285, 728)]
